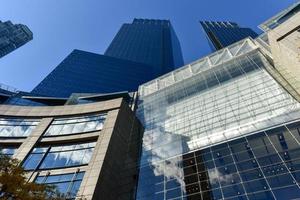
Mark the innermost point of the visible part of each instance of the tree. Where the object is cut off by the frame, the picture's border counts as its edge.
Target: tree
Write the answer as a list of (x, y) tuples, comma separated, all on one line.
[(14, 184)]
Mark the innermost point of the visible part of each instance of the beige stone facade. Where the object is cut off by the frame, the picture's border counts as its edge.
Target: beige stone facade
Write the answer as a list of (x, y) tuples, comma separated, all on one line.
[(284, 43), (111, 172)]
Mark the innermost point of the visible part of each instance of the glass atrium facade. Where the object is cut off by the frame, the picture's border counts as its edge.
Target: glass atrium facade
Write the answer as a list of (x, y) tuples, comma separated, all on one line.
[(219, 128), (223, 34)]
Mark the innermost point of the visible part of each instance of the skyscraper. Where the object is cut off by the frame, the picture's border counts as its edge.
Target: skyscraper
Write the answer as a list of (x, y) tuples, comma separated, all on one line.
[(140, 52), (148, 41), (85, 72), (222, 34), (225, 127), (12, 36)]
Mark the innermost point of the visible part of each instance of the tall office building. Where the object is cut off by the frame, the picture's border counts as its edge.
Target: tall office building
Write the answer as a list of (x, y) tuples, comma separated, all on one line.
[(12, 36), (141, 51), (148, 41), (85, 72), (223, 127), (222, 34), (226, 126)]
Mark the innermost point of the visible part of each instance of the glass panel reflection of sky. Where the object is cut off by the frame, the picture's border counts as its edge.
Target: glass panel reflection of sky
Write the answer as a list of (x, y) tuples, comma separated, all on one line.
[(8, 151), (222, 103), (59, 156), (17, 127), (260, 166), (74, 125), (67, 184)]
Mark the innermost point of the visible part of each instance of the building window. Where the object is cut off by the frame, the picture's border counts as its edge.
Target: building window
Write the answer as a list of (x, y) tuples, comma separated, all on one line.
[(8, 151), (67, 184), (17, 127), (65, 126), (59, 156)]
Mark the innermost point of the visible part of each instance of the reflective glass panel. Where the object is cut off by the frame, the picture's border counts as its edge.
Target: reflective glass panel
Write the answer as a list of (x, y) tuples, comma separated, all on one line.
[(65, 126), (14, 127), (59, 156), (67, 184)]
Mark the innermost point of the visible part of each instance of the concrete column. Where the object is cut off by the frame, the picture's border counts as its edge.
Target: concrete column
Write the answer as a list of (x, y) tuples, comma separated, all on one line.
[(32, 139)]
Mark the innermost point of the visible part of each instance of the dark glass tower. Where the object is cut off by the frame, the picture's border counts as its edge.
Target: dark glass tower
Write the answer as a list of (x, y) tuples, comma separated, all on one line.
[(222, 34), (152, 42), (141, 51), (12, 36), (85, 72)]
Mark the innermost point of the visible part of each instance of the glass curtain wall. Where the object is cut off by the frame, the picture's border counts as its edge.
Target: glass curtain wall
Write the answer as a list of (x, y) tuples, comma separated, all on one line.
[(223, 97)]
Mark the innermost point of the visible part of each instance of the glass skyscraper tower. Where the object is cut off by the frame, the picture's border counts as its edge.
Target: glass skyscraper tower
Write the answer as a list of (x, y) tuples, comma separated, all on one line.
[(148, 41), (85, 72), (140, 52), (12, 36), (222, 34)]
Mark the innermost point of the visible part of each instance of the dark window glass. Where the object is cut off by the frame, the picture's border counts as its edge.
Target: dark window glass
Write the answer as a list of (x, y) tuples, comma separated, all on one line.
[(172, 184), (243, 156), (269, 160), (247, 165), (251, 174), (274, 170), (256, 185), (233, 190), (265, 195), (173, 193), (280, 181), (191, 189), (292, 154), (295, 130), (291, 192)]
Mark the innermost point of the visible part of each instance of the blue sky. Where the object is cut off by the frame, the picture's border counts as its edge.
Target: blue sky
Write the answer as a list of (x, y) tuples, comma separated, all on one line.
[(59, 26)]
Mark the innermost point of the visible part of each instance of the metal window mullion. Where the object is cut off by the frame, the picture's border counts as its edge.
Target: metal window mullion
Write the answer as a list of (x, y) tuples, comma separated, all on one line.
[(39, 163), (237, 171), (283, 162), (71, 183), (213, 159), (264, 176)]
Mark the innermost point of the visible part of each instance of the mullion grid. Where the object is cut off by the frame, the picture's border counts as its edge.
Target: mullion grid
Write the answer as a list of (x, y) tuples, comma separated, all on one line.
[(283, 162), (231, 155), (238, 172)]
